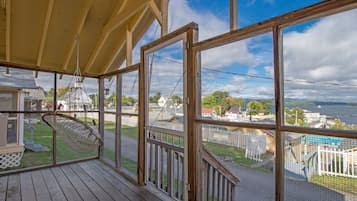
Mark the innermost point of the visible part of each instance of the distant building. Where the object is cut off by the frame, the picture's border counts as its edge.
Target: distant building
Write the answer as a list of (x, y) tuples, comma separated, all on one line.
[(208, 112), (18, 92), (75, 98), (233, 113)]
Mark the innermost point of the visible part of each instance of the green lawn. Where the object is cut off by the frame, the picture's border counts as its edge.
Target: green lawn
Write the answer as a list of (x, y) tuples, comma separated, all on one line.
[(235, 154), (344, 184), (43, 136)]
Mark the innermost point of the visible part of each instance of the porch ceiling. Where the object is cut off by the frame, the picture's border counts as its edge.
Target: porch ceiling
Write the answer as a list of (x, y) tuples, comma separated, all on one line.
[(42, 34)]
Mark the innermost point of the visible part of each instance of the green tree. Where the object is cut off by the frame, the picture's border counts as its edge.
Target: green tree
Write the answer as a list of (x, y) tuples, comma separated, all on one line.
[(128, 100), (235, 102), (255, 107), (155, 99), (176, 99), (339, 125), (62, 91), (218, 100), (267, 104), (295, 116)]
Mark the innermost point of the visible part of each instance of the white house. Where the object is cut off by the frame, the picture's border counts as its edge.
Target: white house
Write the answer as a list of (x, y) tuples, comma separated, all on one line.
[(15, 89)]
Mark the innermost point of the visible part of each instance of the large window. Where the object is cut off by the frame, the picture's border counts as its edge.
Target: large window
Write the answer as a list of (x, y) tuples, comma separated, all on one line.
[(237, 81)]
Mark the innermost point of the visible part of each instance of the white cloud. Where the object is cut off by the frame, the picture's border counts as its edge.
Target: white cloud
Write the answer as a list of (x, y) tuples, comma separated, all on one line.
[(269, 71), (323, 55)]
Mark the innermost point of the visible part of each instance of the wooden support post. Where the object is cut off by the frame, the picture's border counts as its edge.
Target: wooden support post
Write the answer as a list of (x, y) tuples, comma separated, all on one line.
[(142, 119), (118, 122), (279, 111), (192, 143), (233, 14), (101, 115)]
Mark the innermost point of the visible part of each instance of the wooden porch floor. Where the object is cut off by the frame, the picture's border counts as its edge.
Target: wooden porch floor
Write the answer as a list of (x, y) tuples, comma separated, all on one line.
[(87, 181)]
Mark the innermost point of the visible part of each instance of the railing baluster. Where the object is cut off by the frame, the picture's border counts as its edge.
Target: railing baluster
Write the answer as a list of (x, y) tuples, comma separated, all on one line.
[(157, 165), (224, 188), (208, 181), (227, 192), (218, 186), (150, 162), (182, 177), (161, 167), (213, 183), (232, 193), (170, 169)]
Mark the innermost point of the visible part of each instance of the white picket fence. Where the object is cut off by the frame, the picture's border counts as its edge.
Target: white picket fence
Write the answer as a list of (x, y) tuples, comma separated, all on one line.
[(336, 162)]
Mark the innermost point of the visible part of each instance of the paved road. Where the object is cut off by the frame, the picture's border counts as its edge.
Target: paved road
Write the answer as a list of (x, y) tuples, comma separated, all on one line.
[(259, 186)]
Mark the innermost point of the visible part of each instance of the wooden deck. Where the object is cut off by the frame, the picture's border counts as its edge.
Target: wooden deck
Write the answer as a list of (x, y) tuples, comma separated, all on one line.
[(87, 181)]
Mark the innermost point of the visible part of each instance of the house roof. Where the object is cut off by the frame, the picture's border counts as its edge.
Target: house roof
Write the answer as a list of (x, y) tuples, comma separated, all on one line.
[(207, 110), (35, 94), (43, 34), (18, 79)]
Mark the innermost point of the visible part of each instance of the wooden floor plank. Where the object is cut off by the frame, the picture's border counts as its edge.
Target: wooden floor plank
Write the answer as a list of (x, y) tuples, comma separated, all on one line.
[(13, 188), (138, 189), (87, 181), (130, 192), (92, 185), (107, 186), (27, 189), (66, 186), (81, 188), (3, 187), (41, 190), (52, 185)]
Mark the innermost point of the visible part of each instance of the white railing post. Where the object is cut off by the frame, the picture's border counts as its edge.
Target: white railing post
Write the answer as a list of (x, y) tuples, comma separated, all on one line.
[(318, 161)]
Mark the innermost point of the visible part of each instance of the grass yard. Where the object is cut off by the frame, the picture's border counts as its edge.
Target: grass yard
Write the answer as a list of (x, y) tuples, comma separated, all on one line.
[(237, 155), (43, 136), (344, 184)]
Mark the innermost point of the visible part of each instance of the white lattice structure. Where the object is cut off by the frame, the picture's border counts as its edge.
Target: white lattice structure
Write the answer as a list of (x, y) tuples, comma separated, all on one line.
[(11, 155)]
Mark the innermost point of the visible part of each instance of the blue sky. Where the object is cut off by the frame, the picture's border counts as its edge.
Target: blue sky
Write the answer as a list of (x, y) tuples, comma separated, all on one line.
[(244, 68)]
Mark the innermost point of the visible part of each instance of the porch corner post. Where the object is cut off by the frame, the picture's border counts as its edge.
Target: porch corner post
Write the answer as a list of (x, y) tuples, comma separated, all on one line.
[(142, 105), (279, 111), (192, 139)]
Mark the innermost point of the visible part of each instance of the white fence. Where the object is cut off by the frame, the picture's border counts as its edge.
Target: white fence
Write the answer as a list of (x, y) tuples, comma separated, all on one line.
[(336, 162), (253, 144)]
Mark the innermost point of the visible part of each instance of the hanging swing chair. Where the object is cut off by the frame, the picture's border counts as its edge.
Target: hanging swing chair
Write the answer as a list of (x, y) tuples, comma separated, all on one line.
[(77, 134)]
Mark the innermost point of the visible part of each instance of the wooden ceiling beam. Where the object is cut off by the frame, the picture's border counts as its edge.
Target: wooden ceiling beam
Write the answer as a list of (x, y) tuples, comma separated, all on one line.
[(113, 23), (133, 25), (84, 15), (129, 46), (156, 11), (45, 31), (119, 8), (8, 30), (123, 16)]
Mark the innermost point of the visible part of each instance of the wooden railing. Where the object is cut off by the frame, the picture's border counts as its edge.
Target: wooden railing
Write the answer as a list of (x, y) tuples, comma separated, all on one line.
[(165, 161), (165, 167), (218, 183)]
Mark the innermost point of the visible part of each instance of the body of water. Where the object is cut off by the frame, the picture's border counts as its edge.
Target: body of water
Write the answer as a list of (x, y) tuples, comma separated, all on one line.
[(346, 113)]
